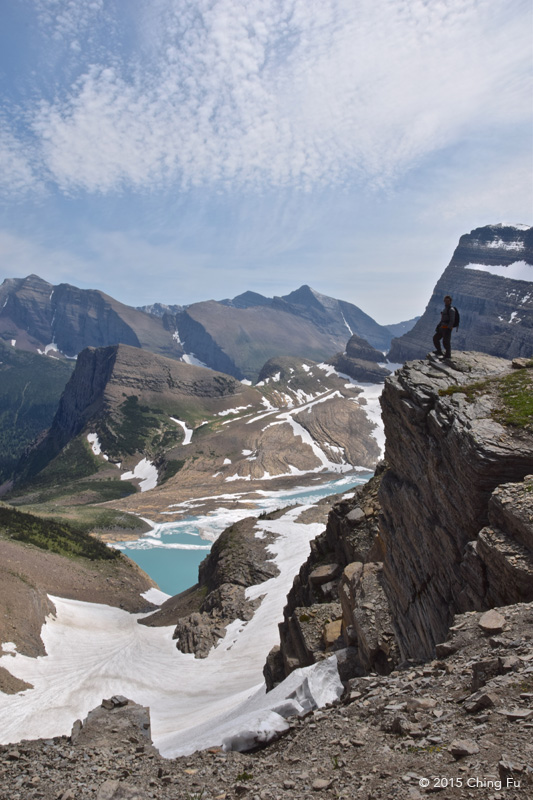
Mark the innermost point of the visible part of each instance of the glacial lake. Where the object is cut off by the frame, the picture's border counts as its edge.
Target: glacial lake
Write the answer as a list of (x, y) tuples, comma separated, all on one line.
[(172, 552)]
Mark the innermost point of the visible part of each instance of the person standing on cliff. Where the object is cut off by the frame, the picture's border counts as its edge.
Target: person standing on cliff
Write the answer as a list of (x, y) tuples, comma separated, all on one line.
[(444, 329)]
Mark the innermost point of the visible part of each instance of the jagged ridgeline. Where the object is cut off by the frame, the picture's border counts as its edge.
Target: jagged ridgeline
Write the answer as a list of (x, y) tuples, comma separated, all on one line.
[(232, 336)]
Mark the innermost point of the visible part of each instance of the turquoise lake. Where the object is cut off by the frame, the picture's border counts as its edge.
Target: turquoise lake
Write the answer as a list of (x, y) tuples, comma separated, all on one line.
[(171, 553)]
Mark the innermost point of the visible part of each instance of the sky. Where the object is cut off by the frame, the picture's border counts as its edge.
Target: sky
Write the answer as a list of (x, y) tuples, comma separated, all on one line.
[(176, 151)]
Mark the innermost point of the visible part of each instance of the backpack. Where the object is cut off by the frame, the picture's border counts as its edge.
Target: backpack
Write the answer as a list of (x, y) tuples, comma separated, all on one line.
[(457, 317)]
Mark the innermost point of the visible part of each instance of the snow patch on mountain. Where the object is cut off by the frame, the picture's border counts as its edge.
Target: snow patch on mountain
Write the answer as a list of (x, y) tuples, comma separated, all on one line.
[(144, 471), (517, 271), (187, 431)]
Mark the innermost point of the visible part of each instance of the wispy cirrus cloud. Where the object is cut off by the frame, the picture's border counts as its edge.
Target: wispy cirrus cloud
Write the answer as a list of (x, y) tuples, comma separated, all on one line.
[(281, 94)]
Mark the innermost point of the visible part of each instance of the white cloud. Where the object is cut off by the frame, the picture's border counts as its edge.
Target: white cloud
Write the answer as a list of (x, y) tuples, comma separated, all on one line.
[(67, 18), (294, 94), (16, 172)]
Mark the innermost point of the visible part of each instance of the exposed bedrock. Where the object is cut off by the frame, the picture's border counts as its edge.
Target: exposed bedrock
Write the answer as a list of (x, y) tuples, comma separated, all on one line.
[(360, 361), (238, 559), (444, 527), (453, 540), (337, 603)]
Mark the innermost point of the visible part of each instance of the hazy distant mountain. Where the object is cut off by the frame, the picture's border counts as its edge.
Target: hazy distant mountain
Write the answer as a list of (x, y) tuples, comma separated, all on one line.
[(399, 328), (234, 336), (237, 336), (490, 278), (42, 318)]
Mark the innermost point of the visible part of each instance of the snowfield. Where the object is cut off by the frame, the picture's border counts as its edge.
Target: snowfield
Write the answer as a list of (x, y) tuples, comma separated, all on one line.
[(96, 651)]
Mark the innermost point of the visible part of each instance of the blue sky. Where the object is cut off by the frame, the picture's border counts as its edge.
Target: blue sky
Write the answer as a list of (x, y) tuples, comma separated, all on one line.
[(176, 151)]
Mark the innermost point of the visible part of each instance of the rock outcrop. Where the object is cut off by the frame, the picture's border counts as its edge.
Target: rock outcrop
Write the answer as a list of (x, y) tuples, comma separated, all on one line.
[(237, 560), (445, 527), (490, 278), (447, 538), (360, 361)]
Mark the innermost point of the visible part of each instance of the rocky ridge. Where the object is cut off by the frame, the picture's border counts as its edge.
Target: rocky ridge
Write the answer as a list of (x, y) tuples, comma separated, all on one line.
[(41, 317), (360, 361), (238, 559), (496, 307), (458, 725), (443, 528)]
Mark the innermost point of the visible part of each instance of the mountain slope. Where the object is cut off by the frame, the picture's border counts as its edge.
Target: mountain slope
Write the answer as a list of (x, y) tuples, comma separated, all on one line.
[(237, 336), (131, 419), (40, 317), (30, 388), (490, 278)]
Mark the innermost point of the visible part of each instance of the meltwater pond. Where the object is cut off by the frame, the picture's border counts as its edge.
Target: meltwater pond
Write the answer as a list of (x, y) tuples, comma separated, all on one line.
[(172, 551)]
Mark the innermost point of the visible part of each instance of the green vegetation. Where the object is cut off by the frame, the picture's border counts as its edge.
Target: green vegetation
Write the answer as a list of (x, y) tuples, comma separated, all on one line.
[(76, 460), (30, 388), (172, 467), (513, 394), (51, 535), (245, 776), (137, 428)]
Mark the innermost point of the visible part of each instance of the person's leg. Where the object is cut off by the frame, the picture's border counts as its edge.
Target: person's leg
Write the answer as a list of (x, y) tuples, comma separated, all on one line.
[(447, 342), (436, 342)]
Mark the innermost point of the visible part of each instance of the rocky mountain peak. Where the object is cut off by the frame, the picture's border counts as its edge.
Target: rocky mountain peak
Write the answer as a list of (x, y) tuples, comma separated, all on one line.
[(490, 278)]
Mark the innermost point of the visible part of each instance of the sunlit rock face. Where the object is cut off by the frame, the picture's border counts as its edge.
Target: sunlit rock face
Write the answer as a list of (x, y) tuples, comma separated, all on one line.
[(490, 279)]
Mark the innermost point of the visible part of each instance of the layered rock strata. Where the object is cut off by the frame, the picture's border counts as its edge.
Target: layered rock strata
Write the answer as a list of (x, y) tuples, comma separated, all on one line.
[(490, 278), (454, 539), (337, 602), (445, 527), (360, 361)]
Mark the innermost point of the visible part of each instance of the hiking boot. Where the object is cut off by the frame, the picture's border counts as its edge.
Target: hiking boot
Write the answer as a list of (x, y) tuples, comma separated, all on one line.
[(437, 352)]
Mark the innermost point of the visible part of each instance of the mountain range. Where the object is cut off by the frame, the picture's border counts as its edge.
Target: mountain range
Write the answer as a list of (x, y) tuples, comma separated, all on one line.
[(233, 336)]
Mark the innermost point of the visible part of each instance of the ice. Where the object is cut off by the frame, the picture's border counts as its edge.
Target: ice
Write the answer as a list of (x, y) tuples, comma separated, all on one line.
[(13, 342), (146, 472), (501, 244), (190, 358), (233, 410), (517, 271), (344, 320), (227, 461), (95, 651), (187, 431)]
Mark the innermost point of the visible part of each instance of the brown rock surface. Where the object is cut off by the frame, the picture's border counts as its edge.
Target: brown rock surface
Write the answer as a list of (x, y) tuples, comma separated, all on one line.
[(447, 455), (380, 741)]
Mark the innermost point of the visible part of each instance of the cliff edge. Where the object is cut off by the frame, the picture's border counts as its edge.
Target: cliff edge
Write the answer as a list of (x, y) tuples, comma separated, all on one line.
[(445, 527)]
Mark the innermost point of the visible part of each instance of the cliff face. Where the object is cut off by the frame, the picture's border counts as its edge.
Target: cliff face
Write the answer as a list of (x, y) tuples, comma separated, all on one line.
[(493, 295), (444, 528), (445, 535), (35, 314)]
